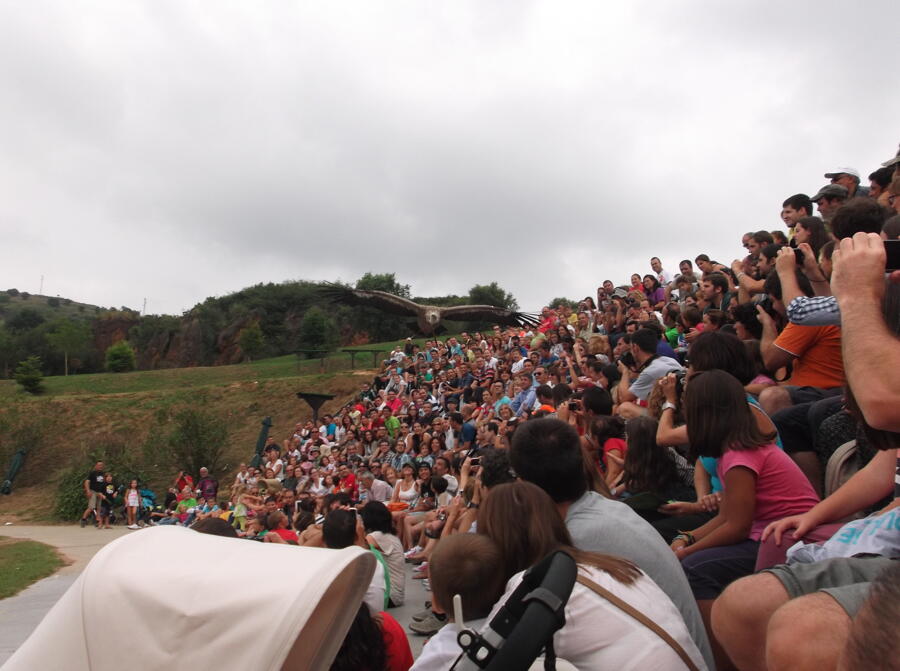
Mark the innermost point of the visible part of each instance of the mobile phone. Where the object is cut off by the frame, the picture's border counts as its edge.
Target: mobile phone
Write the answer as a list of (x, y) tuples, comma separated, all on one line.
[(892, 249)]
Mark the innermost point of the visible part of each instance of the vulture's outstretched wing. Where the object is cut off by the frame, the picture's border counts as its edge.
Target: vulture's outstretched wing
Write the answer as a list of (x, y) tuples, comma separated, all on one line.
[(380, 300), (489, 313)]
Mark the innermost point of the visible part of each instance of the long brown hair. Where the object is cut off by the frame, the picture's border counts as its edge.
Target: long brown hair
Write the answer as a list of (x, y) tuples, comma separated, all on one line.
[(718, 416), (521, 545)]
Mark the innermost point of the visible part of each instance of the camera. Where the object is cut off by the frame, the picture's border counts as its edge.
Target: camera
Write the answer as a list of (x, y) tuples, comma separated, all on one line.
[(679, 382), (476, 461), (628, 359), (798, 254)]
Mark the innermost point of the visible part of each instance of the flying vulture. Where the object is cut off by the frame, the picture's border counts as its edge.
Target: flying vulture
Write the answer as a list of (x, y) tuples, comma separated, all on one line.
[(428, 318)]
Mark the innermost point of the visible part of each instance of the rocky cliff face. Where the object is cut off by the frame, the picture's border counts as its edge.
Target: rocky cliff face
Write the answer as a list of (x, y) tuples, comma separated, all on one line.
[(110, 331)]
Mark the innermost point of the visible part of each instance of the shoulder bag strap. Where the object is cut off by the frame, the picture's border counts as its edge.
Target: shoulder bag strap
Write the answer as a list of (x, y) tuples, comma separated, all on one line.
[(640, 617)]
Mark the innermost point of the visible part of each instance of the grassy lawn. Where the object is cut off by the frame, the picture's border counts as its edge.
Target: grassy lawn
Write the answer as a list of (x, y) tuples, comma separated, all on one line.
[(185, 378), (24, 562)]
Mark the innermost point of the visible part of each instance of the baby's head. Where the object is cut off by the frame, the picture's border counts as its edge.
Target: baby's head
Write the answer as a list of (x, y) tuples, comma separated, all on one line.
[(469, 565)]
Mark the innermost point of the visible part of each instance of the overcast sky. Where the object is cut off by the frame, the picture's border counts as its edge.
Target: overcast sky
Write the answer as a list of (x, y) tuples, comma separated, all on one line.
[(178, 150)]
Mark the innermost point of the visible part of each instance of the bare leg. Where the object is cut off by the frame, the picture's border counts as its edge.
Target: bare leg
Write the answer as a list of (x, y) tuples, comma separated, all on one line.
[(807, 634), (723, 663), (773, 399), (740, 618)]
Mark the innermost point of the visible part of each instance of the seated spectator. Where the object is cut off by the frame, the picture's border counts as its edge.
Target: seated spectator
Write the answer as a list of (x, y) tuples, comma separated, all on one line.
[(341, 530), (547, 452), (761, 484), (277, 524), (649, 475), (596, 634), (382, 540), (640, 372), (374, 641), (468, 565)]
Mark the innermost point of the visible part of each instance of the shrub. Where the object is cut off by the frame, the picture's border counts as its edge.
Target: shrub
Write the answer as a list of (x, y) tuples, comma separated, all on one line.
[(120, 358), (252, 341), (25, 295), (197, 439), (28, 375), (53, 302), (12, 292)]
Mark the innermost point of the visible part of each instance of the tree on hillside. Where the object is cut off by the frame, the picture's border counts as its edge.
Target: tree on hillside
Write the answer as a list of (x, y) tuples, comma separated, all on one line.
[(197, 440), (383, 282), (376, 324), (71, 338), (7, 350), (120, 358), (26, 319), (252, 341), (492, 294), (557, 302), (317, 330), (29, 376)]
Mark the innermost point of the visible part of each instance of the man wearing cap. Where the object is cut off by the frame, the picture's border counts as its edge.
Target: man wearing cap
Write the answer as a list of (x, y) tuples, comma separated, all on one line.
[(829, 198), (849, 178)]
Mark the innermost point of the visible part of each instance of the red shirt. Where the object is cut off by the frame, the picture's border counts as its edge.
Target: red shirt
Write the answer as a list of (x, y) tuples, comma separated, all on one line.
[(348, 484), (286, 534), (398, 656)]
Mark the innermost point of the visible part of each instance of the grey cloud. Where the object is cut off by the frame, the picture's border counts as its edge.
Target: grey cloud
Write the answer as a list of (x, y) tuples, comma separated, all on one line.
[(176, 150)]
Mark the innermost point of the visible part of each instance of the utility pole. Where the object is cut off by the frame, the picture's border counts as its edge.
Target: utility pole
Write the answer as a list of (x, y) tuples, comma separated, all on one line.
[(144, 310), (41, 290)]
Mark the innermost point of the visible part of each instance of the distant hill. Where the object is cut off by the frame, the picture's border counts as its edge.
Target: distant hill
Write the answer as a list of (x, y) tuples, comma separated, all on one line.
[(49, 307)]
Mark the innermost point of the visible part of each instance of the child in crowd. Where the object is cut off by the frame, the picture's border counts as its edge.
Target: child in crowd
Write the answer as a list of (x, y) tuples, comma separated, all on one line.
[(106, 504), (468, 565), (132, 504)]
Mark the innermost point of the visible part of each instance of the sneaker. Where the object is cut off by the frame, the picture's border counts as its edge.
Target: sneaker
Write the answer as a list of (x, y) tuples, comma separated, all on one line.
[(133, 526), (412, 551), (427, 627), (426, 585), (422, 614)]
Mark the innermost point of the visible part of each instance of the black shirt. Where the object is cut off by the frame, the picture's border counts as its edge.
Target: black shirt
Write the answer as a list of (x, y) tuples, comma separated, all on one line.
[(97, 481)]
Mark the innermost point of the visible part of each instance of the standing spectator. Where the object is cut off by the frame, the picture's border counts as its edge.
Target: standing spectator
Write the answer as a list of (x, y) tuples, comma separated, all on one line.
[(849, 179), (132, 504), (662, 275), (795, 208), (548, 453), (829, 198), (93, 485)]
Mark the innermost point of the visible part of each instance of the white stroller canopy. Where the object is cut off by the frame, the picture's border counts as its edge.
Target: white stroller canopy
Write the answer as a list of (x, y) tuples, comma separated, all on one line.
[(172, 598)]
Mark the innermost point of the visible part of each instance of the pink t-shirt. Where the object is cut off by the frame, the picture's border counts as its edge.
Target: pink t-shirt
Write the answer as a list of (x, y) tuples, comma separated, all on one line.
[(781, 487)]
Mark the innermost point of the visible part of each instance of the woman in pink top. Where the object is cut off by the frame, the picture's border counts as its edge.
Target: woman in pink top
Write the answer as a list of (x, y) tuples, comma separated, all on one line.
[(761, 484)]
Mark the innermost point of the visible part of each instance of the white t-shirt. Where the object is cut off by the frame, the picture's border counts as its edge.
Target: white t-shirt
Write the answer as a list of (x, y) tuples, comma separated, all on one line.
[(374, 597), (392, 550), (278, 467), (598, 635), (441, 650)]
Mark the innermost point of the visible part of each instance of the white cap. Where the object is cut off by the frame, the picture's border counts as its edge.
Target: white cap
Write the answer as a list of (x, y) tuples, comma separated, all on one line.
[(837, 172)]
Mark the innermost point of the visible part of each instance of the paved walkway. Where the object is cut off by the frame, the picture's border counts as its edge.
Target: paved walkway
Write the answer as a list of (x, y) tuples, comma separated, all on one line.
[(20, 615)]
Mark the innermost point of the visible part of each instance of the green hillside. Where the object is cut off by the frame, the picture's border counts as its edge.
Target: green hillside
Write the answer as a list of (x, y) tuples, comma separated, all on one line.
[(48, 307)]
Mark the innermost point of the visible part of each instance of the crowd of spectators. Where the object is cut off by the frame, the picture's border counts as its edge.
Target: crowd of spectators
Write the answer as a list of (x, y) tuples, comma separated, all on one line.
[(675, 434)]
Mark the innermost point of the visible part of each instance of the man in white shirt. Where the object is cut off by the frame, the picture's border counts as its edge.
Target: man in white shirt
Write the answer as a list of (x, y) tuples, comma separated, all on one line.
[(374, 490), (662, 275)]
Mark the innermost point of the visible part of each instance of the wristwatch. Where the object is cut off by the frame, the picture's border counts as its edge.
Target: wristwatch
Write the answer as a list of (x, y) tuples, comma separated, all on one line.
[(668, 405)]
